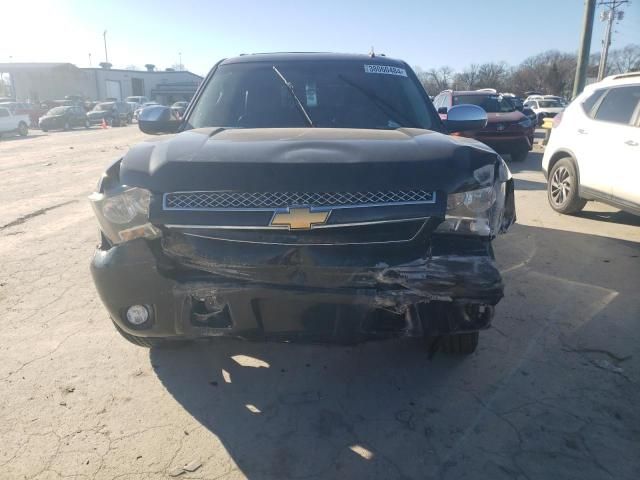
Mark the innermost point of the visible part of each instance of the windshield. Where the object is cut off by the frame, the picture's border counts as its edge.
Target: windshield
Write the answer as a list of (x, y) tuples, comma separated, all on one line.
[(104, 107), (490, 103), (549, 104), (58, 110), (335, 94)]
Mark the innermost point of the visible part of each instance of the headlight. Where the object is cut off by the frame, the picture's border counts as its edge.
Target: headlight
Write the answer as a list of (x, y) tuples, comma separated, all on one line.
[(124, 214), (123, 208), (525, 122), (475, 201), (477, 212)]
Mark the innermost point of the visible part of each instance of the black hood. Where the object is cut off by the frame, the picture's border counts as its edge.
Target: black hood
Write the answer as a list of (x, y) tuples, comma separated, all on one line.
[(305, 159)]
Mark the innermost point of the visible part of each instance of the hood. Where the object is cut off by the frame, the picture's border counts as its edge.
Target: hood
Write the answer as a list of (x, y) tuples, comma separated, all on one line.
[(505, 117), (304, 159)]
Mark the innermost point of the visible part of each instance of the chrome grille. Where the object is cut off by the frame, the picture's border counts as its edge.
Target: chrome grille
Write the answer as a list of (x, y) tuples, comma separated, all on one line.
[(273, 200)]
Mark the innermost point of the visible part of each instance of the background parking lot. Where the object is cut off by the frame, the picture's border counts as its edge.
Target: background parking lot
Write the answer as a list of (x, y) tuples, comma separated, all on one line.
[(552, 391)]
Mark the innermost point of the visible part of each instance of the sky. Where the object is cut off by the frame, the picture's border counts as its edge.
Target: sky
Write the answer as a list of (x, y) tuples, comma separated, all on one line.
[(425, 33)]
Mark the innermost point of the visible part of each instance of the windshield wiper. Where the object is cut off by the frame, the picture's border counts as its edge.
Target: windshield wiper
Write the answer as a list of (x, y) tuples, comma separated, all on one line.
[(384, 106), (289, 86)]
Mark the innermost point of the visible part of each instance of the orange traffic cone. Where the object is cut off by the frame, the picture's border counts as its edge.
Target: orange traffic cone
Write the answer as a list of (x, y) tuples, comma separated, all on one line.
[(104, 124)]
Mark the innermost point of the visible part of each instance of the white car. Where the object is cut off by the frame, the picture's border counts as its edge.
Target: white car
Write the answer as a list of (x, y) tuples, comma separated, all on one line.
[(543, 107), (10, 123), (594, 149)]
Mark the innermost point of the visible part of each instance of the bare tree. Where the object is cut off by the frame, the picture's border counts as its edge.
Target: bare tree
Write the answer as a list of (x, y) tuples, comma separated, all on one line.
[(626, 59), (436, 80), (550, 72), (493, 75), (468, 78)]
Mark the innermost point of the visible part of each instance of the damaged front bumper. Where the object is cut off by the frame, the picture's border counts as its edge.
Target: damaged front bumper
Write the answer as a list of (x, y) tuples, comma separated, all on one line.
[(306, 293)]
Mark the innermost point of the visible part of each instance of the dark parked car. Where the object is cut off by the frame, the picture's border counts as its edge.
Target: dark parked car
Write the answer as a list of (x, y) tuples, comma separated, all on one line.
[(507, 131), (64, 118), (115, 114), (137, 111), (311, 197)]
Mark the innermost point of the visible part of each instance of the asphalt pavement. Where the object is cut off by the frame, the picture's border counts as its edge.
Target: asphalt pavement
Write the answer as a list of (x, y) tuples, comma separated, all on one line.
[(552, 391)]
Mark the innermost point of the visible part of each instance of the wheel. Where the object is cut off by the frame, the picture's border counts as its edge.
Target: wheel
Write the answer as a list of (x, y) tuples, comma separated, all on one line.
[(45, 129), (87, 124), (110, 122), (519, 155), (454, 344), (23, 130), (66, 126), (460, 344), (562, 188), (150, 342)]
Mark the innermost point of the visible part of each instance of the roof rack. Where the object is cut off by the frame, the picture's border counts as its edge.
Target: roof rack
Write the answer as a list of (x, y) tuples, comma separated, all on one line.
[(625, 75)]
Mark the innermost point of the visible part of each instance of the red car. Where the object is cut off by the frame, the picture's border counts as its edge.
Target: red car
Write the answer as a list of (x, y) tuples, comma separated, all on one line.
[(508, 130)]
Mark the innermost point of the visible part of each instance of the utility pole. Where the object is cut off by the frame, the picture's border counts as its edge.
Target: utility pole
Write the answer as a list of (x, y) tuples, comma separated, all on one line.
[(610, 15), (89, 60), (180, 62), (585, 44), (106, 57)]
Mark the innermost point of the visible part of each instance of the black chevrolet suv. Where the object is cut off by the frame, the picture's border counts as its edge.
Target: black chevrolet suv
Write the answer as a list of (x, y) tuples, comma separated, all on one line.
[(304, 197)]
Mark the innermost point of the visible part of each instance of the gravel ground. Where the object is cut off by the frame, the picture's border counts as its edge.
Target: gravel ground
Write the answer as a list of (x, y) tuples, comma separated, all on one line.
[(552, 391)]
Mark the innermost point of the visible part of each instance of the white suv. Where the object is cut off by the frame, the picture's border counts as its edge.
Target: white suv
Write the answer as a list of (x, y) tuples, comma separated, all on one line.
[(544, 106), (594, 149)]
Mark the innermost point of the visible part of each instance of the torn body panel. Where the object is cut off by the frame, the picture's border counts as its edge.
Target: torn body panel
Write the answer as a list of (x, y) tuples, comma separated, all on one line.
[(200, 287)]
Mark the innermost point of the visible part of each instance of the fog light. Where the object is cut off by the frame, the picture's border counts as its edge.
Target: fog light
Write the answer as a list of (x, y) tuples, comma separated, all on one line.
[(137, 314)]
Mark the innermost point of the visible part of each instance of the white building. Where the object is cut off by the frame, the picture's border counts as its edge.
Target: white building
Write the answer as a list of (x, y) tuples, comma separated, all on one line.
[(50, 81)]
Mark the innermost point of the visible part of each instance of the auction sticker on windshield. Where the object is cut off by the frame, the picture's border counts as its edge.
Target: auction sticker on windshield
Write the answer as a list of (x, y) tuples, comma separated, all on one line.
[(385, 69)]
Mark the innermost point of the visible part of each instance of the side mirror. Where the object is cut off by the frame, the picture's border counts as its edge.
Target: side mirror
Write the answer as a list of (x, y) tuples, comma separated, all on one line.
[(157, 119), (443, 110), (465, 117), (519, 107)]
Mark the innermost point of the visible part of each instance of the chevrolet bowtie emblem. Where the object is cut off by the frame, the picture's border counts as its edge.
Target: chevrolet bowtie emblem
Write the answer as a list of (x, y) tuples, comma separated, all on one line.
[(299, 219)]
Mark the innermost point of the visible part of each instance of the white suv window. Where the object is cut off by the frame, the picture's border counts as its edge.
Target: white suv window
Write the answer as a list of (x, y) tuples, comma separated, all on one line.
[(591, 101), (619, 104)]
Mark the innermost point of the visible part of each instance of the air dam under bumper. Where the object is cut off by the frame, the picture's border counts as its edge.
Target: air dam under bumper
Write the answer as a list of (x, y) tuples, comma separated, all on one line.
[(451, 289)]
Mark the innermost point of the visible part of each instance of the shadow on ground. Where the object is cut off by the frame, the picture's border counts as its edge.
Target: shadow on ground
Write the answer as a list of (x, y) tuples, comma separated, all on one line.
[(533, 163), (529, 404), (17, 138), (619, 217)]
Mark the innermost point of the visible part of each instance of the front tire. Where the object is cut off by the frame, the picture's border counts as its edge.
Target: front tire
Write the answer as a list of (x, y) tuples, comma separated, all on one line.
[(23, 130), (461, 343), (150, 342), (66, 127), (519, 155), (562, 188)]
